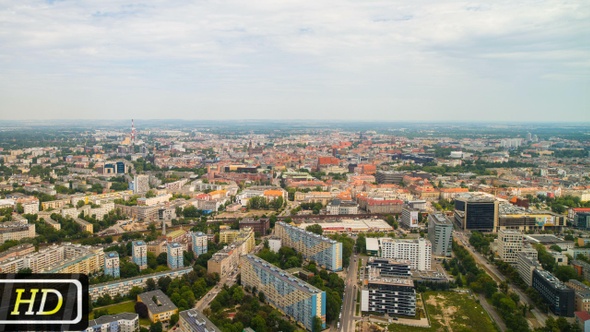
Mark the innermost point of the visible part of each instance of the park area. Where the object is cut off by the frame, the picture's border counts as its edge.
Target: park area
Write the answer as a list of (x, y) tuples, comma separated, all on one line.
[(452, 312)]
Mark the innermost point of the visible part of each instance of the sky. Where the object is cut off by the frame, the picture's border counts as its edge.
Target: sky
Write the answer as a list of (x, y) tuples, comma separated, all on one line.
[(362, 60)]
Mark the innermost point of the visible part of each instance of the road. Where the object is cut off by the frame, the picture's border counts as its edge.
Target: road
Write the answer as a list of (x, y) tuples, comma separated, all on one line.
[(349, 303), (463, 240)]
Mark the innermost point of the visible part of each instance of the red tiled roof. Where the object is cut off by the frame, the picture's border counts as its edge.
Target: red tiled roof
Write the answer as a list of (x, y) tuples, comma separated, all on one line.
[(582, 315)]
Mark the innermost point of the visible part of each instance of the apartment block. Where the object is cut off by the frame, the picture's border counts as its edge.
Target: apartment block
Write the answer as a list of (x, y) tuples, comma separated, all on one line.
[(199, 243), (409, 217), (16, 231), (559, 297), (582, 299), (391, 296), (509, 243), (526, 264), (292, 296), (123, 322), (175, 255), (195, 321), (440, 234), (123, 286), (139, 254), (418, 251), (260, 226), (324, 251), (141, 184), (388, 267), (111, 264)]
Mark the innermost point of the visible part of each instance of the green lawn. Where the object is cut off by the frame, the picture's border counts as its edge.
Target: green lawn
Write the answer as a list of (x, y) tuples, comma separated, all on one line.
[(458, 311), (127, 306)]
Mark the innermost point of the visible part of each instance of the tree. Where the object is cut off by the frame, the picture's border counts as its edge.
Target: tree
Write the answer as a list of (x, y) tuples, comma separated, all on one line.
[(315, 228), (25, 270), (261, 297), (316, 324), (162, 259), (361, 243), (150, 284), (174, 319), (141, 309), (156, 327)]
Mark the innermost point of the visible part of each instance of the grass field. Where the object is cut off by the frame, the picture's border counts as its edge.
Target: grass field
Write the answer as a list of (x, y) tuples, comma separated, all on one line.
[(127, 306), (450, 311)]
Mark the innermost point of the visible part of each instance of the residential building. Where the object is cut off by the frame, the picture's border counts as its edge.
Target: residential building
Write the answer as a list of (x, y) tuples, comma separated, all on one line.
[(261, 226), (390, 296), (509, 243), (175, 256), (123, 286), (338, 206), (292, 296), (139, 254), (122, 322), (199, 243), (159, 306), (389, 267), (195, 321), (582, 299), (418, 251), (558, 296), (16, 231), (224, 261), (440, 234), (274, 244), (325, 252), (409, 217), (526, 264), (583, 320), (582, 268), (111, 264), (476, 212), (141, 184), (84, 225)]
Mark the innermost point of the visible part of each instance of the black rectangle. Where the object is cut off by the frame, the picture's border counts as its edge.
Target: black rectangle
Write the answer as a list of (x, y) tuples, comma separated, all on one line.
[(43, 302)]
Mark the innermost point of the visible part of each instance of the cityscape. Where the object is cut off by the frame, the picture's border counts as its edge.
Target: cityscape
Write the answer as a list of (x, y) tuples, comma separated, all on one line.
[(278, 226)]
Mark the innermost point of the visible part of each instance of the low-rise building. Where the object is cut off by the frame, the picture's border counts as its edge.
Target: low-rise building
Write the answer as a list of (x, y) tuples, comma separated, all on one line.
[(122, 322), (159, 306), (195, 321)]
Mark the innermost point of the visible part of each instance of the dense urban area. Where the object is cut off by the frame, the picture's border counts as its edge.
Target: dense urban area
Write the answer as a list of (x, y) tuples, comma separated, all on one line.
[(278, 226)]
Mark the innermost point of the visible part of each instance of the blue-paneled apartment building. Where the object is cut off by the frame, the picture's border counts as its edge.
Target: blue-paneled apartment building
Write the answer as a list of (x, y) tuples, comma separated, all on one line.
[(291, 295), (324, 251)]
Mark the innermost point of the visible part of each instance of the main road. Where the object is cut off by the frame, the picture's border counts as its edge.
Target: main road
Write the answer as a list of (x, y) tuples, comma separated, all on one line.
[(349, 304)]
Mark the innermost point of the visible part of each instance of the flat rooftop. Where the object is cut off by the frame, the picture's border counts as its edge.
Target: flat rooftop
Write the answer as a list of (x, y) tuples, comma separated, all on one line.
[(282, 275)]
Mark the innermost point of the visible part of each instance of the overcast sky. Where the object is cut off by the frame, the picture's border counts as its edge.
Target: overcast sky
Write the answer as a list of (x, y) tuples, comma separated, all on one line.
[(410, 60)]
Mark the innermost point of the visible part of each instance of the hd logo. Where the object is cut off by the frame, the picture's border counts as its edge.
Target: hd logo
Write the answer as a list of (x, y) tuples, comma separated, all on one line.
[(43, 302)]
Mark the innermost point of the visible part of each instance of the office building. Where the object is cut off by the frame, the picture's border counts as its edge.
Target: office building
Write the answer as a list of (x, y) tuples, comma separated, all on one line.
[(409, 217), (122, 322), (440, 234), (139, 254), (111, 264), (389, 177), (476, 212), (418, 252), (388, 267), (292, 296), (175, 255), (391, 296), (195, 321), (559, 297), (325, 252), (526, 264), (159, 306), (509, 243), (199, 243), (141, 184), (518, 218), (582, 220)]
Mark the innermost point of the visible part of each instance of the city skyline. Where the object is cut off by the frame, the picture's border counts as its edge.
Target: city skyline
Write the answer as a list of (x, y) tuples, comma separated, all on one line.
[(370, 61)]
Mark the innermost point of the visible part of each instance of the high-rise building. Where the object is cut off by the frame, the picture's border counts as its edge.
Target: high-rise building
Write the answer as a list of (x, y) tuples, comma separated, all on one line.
[(121, 168), (292, 296), (392, 296), (139, 254), (324, 251), (141, 184), (509, 244), (175, 255), (409, 217), (476, 212), (111, 264), (418, 251), (199, 243), (440, 234), (561, 299)]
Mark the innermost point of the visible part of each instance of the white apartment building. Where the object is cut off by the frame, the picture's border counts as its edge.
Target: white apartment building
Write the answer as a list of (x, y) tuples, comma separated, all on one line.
[(418, 251), (509, 243)]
